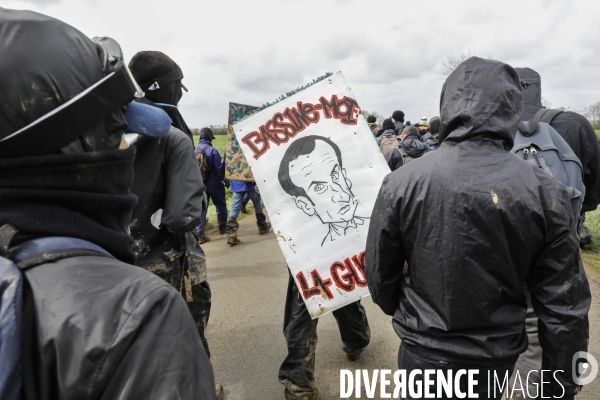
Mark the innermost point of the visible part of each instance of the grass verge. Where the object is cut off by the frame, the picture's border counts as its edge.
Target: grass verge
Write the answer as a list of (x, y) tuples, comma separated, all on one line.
[(591, 253)]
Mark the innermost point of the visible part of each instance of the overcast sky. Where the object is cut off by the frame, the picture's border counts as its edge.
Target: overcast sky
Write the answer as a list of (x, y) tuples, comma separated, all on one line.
[(390, 51)]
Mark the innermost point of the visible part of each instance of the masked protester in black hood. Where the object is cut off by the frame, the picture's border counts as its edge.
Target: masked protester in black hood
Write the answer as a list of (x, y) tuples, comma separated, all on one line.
[(160, 79), (171, 193), (453, 239), (431, 138), (399, 125), (577, 132), (94, 326)]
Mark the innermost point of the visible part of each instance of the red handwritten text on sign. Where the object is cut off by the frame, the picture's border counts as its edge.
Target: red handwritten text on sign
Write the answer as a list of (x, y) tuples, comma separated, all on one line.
[(347, 275), (285, 125)]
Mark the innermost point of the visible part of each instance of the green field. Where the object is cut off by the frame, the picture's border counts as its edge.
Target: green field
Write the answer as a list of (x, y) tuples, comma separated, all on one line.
[(591, 253), (219, 143)]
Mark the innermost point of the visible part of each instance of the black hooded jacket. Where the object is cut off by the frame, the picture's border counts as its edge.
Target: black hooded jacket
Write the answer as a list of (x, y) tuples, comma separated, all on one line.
[(167, 178), (575, 129), (473, 223), (431, 138), (102, 328)]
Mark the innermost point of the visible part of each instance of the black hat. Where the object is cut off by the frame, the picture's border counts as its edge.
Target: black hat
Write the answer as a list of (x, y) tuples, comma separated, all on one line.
[(207, 134), (158, 76), (57, 94), (398, 116)]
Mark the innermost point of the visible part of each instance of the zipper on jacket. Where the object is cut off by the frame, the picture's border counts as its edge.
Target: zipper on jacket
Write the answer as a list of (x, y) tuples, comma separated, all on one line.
[(534, 154), (525, 153)]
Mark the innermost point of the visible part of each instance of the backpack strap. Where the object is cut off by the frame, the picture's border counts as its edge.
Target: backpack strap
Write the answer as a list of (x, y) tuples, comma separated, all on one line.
[(525, 131), (7, 232), (48, 249), (545, 115)]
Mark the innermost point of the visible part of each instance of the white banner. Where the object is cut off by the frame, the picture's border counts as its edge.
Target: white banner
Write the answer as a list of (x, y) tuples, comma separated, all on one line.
[(319, 170)]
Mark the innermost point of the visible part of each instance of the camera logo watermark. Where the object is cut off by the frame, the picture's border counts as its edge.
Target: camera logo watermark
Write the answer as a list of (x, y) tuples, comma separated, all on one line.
[(583, 367)]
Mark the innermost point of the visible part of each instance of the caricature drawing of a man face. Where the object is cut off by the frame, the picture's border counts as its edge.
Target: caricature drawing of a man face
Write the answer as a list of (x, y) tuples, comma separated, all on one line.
[(312, 172)]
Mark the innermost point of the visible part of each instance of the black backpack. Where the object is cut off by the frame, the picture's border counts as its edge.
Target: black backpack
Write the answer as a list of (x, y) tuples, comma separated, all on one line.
[(540, 145)]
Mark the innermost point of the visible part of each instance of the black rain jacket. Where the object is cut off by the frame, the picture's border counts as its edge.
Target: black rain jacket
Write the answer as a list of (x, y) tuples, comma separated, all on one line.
[(453, 238), (167, 177), (108, 330), (575, 129)]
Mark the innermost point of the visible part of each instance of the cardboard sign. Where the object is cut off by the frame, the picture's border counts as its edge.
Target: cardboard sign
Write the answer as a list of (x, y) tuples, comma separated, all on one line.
[(319, 170), (236, 166)]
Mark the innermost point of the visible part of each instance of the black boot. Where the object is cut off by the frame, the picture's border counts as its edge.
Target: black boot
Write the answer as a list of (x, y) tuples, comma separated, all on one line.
[(232, 227), (263, 225)]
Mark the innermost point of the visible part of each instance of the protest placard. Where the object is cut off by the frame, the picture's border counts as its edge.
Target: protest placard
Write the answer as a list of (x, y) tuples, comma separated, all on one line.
[(319, 170), (236, 166)]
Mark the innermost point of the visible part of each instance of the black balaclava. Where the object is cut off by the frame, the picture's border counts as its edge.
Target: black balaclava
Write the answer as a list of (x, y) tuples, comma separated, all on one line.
[(83, 191), (387, 124), (434, 125), (531, 84), (207, 134), (398, 116), (146, 67), (44, 64)]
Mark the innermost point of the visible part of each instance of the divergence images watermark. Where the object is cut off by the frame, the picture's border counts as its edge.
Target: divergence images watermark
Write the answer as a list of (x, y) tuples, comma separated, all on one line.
[(461, 384)]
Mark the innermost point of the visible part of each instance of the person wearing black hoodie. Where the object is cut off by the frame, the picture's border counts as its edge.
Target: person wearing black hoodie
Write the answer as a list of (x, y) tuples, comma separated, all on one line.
[(452, 240), (94, 325), (170, 189), (431, 138), (577, 132), (160, 79), (399, 125)]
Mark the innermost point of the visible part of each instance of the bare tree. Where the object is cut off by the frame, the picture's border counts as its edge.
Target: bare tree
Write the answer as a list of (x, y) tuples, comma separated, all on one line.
[(379, 117), (454, 60), (546, 103), (594, 111)]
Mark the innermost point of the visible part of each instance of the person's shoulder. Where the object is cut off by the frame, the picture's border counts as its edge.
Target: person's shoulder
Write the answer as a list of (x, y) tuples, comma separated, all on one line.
[(177, 141), (572, 118), (93, 307), (93, 288), (176, 135), (104, 280)]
